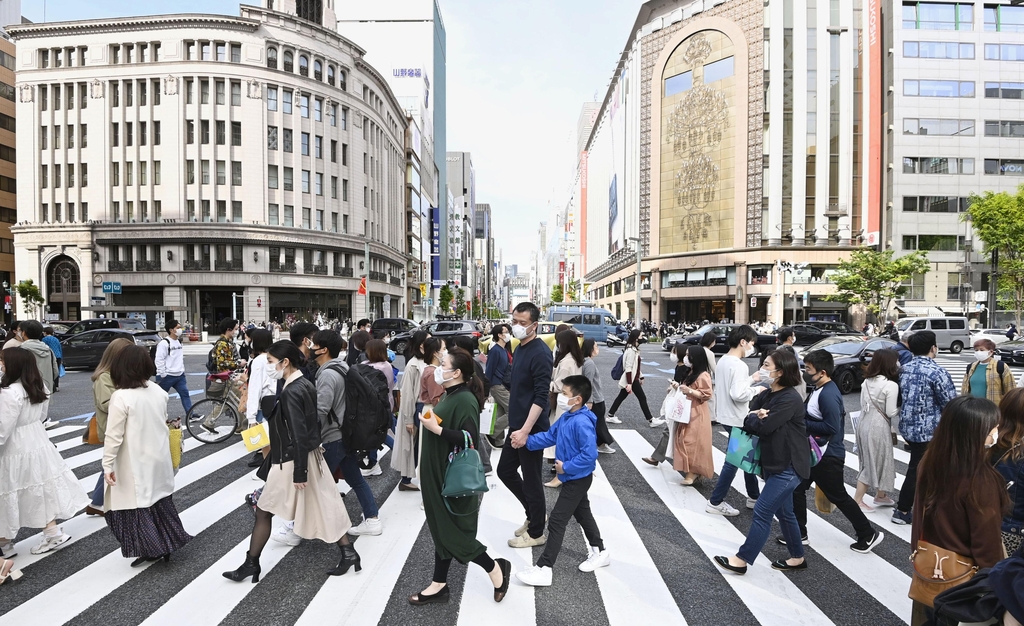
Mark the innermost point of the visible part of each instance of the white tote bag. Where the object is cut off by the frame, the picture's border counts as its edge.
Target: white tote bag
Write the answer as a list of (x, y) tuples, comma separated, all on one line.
[(678, 407)]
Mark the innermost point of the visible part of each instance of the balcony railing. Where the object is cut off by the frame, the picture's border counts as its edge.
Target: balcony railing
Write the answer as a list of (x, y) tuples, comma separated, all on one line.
[(119, 266), (343, 271), (396, 280), (197, 265), (283, 268), (319, 270), (380, 277), (229, 266), (147, 266)]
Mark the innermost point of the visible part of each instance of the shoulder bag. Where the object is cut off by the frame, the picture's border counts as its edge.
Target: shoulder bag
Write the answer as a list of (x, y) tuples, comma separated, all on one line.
[(936, 570), (464, 477), (881, 412)]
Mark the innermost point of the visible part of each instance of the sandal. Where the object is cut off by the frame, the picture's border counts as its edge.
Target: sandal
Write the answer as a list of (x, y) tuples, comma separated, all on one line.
[(7, 571)]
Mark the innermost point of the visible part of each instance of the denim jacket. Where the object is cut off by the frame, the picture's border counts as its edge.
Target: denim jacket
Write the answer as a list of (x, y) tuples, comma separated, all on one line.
[(1013, 470), (926, 388)]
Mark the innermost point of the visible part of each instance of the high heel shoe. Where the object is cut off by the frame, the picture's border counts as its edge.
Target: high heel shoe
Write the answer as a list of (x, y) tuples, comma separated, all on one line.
[(143, 559), (251, 567), (349, 558)]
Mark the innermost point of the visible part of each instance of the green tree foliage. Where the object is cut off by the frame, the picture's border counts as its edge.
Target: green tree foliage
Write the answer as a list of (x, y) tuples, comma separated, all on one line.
[(31, 296), (572, 293), (477, 312), (444, 299), (874, 278), (460, 302), (557, 294), (998, 218)]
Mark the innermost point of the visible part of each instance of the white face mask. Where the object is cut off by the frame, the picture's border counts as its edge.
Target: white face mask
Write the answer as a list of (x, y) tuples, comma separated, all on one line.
[(765, 374), (276, 373), (439, 376), (981, 355), (505, 338), (564, 403), (673, 357), (520, 332), (992, 438), (686, 361)]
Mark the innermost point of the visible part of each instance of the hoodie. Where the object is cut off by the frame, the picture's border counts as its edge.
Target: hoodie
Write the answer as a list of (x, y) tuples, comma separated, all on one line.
[(45, 360), (330, 395), (574, 436)]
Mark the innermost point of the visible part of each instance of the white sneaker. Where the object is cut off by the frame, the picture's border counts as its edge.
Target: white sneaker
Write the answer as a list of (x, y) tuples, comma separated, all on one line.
[(751, 503), (611, 419), (286, 536), (50, 543), (372, 526), (8, 549), (535, 576), (373, 471), (722, 508), (597, 558), (48, 424), (657, 422), (605, 448)]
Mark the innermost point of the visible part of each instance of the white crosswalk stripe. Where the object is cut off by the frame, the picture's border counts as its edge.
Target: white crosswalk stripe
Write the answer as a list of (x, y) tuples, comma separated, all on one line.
[(88, 574)]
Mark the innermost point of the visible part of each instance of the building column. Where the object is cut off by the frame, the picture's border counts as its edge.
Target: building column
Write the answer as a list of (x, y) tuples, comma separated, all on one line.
[(256, 304)]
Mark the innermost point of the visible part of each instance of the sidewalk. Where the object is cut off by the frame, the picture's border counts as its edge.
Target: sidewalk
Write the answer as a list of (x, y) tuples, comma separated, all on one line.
[(196, 348)]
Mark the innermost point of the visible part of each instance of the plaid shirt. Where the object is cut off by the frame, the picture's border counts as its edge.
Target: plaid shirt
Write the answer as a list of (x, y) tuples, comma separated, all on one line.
[(926, 388), (996, 384)]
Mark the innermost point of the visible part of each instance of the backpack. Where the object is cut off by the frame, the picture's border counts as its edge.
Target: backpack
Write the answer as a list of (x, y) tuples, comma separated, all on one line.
[(211, 363), (343, 372), (367, 409), (617, 369), (152, 351)]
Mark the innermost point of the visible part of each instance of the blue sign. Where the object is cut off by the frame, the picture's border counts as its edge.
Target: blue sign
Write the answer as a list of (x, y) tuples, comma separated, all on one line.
[(108, 287), (435, 245), (117, 288)]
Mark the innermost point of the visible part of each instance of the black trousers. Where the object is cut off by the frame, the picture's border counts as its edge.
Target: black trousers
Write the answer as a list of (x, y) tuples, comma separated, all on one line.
[(638, 391), (572, 502), (604, 436), (528, 488), (441, 566), (909, 490), (828, 474)]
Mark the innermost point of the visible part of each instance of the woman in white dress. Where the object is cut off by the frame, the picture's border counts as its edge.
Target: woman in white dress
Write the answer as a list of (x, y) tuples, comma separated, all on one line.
[(875, 429), (36, 486)]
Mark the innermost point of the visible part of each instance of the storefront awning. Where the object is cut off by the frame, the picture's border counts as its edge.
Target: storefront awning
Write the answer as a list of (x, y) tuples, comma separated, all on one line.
[(920, 311)]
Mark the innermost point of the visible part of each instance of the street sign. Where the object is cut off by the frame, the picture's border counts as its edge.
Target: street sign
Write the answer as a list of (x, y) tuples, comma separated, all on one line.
[(430, 302), (99, 299), (259, 303), (753, 303), (117, 288), (108, 287)]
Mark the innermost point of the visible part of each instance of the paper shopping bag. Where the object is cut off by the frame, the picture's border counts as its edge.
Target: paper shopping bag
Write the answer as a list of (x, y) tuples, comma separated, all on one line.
[(256, 437), (488, 418), (744, 451)]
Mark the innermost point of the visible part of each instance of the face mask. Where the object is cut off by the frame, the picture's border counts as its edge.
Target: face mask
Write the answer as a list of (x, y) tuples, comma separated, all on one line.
[(992, 438), (564, 403), (505, 337), (981, 355), (764, 374), (686, 361), (520, 332), (674, 358), (439, 376), (751, 350), (809, 379), (276, 373)]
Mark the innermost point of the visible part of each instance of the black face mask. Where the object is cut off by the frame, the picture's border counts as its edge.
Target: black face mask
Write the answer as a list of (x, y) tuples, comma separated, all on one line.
[(809, 379)]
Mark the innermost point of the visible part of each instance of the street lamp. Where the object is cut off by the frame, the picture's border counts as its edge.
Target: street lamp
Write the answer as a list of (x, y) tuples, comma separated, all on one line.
[(636, 307)]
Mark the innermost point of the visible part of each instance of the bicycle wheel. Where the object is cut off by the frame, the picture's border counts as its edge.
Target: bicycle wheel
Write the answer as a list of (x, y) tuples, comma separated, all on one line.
[(211, 421)]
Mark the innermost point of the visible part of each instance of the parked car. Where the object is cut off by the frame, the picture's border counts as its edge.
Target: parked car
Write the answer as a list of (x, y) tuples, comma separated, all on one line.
[(85, 349), (851, 355), (60, 327), (671, 341), (98, 323), (1011, 352), (765, 343), (442, 329), (594, 322), (836, 328), (384, 326), (950, 332), (995, 335), (809, 333)]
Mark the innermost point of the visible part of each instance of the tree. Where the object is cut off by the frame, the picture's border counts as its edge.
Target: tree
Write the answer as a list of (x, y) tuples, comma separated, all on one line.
[(875, 279), (572, 293), (31, 296), (998, 218), (460, 302), (477, 310), (444, 299), (556, 294)]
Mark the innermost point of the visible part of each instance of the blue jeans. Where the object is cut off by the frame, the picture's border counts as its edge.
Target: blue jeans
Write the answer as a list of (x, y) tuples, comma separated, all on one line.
[(725, 482), (97, 494), (336, 455), (776, 500), (180, 385)]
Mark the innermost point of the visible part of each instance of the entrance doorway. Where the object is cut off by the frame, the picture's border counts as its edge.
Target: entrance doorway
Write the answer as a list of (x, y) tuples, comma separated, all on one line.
[(65, 297)]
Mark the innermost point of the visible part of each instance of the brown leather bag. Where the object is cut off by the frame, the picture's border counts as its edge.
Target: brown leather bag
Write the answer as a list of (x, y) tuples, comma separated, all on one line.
[(93, 437), (936, 570)]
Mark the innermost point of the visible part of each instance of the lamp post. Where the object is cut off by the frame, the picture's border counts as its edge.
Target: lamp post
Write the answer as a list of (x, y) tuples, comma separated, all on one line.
[(636, 306)]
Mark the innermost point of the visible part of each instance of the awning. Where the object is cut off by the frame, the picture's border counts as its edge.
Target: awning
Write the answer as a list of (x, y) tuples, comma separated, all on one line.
[(920, 311)]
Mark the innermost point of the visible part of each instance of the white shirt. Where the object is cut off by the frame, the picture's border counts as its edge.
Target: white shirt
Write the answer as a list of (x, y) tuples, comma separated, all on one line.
[(170, 360), (813, 409), (260, 386), (733, 391)]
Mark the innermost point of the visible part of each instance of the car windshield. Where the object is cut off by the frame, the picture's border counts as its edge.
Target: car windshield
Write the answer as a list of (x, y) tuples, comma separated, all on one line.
[(130, 324), (843, 345), (905, 324)]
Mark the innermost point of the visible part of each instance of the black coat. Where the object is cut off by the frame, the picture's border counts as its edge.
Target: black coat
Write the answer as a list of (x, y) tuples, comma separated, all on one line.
[(294, 427), (782, 433)]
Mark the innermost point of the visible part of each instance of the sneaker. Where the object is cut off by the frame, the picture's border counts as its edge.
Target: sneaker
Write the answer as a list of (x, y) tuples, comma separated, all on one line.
[(605, 448), (884, 502), (8, 549), (751, 503), (722, 508), (286, 536), (526, 541), (611, 419), (803, 540), (373, 471), (370, 526), (535, 576), (522, 529), (654, 423), (597, 558), (48, 424), (51, 543), (865, 546), (900, 518)]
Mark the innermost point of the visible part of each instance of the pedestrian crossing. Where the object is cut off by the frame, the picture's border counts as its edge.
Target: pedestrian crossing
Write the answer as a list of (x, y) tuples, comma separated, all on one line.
[(660, 538), (957, 368)]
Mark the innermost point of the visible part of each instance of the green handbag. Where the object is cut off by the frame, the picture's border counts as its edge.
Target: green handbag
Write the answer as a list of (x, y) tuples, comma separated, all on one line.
[(464, 477)]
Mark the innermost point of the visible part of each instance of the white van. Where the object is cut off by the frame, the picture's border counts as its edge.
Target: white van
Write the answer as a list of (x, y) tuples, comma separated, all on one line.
[(950, 332)]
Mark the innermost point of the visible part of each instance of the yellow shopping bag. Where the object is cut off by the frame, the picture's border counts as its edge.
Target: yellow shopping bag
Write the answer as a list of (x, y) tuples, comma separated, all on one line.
[(176, 446), (256, 437)]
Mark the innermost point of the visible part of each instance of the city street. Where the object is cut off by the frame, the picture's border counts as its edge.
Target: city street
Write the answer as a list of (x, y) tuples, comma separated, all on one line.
[(659, 536)]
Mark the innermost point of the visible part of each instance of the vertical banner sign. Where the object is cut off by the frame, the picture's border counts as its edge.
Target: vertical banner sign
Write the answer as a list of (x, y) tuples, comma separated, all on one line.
[(875, 122), (362, 287), (435, 246), (581, 246)]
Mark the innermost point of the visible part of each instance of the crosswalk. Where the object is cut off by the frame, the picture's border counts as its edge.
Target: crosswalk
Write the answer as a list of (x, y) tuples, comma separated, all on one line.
[(660, 538), (957, 368)]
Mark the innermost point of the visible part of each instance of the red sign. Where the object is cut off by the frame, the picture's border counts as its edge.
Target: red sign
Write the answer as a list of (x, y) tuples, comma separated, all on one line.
[(469, 305), (259, 302), (362, 287), (873, 113)]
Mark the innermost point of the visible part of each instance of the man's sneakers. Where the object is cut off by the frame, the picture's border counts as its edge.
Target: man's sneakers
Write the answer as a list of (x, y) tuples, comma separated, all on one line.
[(656, 422), (900, 518), (803, 540), (535, 576), (865, 546), (373, 471), (526, 541), (751, 503), (611, 419), (48, 424), (370, 526), (605, 448), (286, 536), (722, 508), (597, 558), (48, 544)]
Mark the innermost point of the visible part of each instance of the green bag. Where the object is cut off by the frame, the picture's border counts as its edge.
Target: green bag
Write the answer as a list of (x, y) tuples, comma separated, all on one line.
[(743, 451), (464, 477)]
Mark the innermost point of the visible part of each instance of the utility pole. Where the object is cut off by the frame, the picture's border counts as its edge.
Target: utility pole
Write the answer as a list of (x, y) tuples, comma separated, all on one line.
[(367, 264), (636, 307)]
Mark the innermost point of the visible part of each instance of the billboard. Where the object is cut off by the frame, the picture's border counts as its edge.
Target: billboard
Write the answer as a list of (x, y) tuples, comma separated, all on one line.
[(617, 153), (435, 246)]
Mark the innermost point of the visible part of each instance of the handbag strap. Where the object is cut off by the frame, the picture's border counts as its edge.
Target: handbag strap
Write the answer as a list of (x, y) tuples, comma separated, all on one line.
[(880, 410)]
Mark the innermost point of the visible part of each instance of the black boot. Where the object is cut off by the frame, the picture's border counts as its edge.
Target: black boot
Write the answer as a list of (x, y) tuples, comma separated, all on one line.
[(349, 557), (251, 567)]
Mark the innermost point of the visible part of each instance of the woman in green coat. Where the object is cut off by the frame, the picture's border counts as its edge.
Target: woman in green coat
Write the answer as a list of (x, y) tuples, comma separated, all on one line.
[(454, 535)]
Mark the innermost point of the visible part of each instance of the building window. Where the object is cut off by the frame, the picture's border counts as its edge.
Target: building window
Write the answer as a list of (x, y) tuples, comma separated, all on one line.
[(190, 172), (236, 93), (1004, 18), (318, 73), (286, 140), (318, 107), (941, 127), (1004, 52), (306, 218), (287, 99), (236, 53), (937, 16), (1005, 91), (142, 134), (272, 176), (143, 172), (128, 134), (935, 204), (304, 105), (84, 178), (319, 219), (129, 173), (344, 190), (303, 65), (1002, 167), (934, 243), (156, 172), (204, 132), (190, 131), (221, 132), (1004, 128), (318, 150), (272, 58), (236, 173), (305, 144), (43, 134), (115, 174), (271, 98), (344, 224), (344, 154), (344, 118), (271, 137), (289, 215), (288, 61), (204, 91), (939, 88), (205, 168), (236, 213), (156, 134), (83, 130), (220, 92), (288, 179), (189, 91), (222, 211), (334, 115), (305, 181), (334, 187), (334, 151), (330, 75), (272, 215), (190, 208), (319, 184), (678, 84), (221, 173), (914, 287), (207, 217), (937, 165), (43, 176)]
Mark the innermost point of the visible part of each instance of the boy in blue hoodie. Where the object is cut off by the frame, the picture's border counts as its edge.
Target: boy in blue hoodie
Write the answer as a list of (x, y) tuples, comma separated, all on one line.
[(574, 436)]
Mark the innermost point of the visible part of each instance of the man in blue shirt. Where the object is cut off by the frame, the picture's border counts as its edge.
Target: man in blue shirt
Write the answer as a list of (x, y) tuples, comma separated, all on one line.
[(527, 415), (499, 375), (925, 388), (54, 344)]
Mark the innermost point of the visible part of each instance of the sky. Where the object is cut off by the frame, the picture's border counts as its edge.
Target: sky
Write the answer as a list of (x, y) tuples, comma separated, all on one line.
[(519, 72)]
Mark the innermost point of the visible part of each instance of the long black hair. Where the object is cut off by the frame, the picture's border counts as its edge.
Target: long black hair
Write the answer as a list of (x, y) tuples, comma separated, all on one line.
[(634, 338), (463, 361), (285, 349), (20, 365), (430, 348), (698, 363), (588, 348), (415, 348), (568, 344)]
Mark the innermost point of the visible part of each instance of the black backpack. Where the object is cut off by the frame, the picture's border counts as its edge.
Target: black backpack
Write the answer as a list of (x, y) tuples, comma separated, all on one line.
[(211, 364), (367, 409), (152, 351)]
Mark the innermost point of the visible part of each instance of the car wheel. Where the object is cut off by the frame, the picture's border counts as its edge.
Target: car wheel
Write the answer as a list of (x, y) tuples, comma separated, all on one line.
[(400, 346), (846, 382), (956, 348)]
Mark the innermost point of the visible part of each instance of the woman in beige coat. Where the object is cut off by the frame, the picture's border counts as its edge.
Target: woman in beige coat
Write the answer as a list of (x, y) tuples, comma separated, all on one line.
[(137, 463), (403, 457), (691, 454), (102, 389)]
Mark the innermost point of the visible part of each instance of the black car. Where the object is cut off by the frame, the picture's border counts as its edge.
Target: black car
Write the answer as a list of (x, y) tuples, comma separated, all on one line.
[(1011, 352), (851, 354), (765, 343), (98, 323), (836, 328), (384, 326), (85, 349), (442, 329)]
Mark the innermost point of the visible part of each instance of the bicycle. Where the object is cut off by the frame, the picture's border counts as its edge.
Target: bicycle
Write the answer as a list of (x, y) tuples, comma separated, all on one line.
[(215, 418)]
